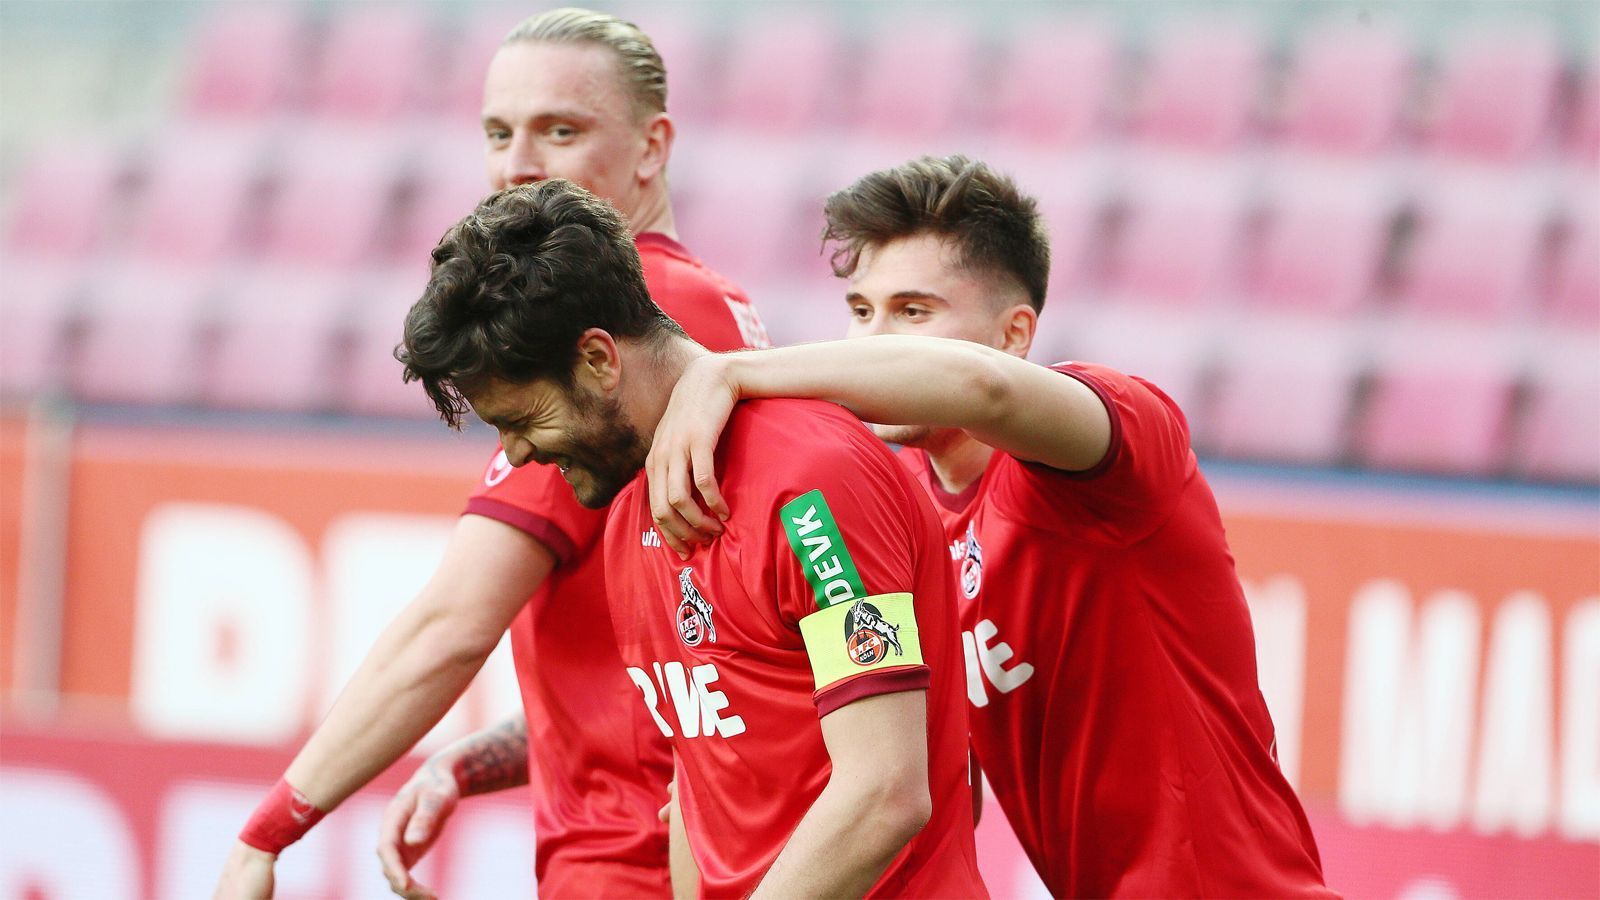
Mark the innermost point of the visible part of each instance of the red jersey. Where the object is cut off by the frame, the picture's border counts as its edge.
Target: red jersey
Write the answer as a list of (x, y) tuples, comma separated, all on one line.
[(828, 585), (598, 765), (1112, 669)]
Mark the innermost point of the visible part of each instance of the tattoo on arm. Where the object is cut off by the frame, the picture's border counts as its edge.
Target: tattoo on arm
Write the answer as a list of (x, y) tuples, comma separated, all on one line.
[(494, 760)]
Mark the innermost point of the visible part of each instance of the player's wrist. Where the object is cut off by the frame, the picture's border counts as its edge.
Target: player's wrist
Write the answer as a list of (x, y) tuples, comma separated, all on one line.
[(282, 818)]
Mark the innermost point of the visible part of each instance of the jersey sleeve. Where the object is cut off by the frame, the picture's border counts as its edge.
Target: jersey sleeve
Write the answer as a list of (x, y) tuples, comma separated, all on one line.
[(1133, 488), (843, 561), (537, 500)]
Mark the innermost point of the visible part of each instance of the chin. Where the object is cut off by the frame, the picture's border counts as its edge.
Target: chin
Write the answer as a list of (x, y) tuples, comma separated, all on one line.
[(597, 492)]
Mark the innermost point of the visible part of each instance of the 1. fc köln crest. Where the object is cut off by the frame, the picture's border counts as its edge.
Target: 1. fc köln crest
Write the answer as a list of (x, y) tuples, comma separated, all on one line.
[(694, 613), (972, 565)]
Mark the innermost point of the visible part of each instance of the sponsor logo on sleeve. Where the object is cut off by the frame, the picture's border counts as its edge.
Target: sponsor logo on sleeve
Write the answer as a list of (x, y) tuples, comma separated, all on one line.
[(819, 547), (694, 612)]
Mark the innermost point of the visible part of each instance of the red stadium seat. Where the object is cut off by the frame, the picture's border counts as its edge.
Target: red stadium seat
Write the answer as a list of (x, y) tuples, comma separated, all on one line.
[(448, 182), (372, 382), (742, 209), (917, 76), (376, 62), (1575, 299), (1180, 240), (274, 341), (246, 60), (781, 70), (1169, 348), (1560, 436), (459, 93), (199, 194), (1200, 84), (681, 37), (1347, 88), (39, 301), (1284, 392), (1496, 91), (1323, 239), (1054, 80), (1475, 248), (336, 191), (65, 195), (142, 338), (1440, 400)]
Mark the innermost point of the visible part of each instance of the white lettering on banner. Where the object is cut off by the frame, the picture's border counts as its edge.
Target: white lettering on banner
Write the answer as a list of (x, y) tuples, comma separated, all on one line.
[(62, 836), (1514, 744), (1407, 721), (990, 660), (1278, 616), (1580, 722), (221, 635), (698, 708)]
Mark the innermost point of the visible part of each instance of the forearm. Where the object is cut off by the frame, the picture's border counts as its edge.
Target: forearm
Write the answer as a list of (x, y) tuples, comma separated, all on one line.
[(842, 845), (490, 760), (409, 680), (887, 379)]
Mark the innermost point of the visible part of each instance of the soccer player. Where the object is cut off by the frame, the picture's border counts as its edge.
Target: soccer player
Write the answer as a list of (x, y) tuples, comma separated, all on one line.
[(580, 95), (1111, 663), (806, 664)]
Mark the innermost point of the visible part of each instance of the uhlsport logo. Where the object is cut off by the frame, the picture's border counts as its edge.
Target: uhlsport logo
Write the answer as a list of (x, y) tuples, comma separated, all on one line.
[(868, 636), (694, 612), (972, 565)]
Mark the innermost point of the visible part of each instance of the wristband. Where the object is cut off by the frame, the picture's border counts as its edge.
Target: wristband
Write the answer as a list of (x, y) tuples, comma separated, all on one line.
[(282, 818)]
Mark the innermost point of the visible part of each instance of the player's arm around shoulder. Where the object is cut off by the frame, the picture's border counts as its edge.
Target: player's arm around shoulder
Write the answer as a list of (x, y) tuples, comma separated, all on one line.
[(875, 802)]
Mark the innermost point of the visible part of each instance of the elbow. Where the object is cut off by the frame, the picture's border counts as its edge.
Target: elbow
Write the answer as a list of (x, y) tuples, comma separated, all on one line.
[(455, 644), (991, 389), (902, 809)]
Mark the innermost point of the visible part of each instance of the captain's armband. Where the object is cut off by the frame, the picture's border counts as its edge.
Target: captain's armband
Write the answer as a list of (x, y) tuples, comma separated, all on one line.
[(867, 635)]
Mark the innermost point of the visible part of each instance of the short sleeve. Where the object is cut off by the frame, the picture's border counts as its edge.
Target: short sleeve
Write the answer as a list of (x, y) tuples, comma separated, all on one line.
[(843, 561), (1135, 486), (537, 500)]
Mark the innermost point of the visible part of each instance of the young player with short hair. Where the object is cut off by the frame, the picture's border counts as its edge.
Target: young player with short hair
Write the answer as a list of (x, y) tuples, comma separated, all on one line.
[(806, 664), (1111, 663)]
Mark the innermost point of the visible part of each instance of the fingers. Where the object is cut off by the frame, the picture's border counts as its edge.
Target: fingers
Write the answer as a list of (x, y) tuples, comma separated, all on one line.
[(390, 850), (703, 458), (425, 823), (679, 519)]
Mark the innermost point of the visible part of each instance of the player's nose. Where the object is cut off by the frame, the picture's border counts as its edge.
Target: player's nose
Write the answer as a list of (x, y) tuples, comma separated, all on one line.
[(523, 164)]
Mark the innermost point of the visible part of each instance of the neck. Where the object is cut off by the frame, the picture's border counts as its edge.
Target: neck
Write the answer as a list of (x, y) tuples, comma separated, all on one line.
[(957, 459), (652, 368), (654, 212)]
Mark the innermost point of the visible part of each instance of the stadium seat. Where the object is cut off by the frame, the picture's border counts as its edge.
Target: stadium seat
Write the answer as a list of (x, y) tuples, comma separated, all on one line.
[(683, 39), (916, 78), (1475, 247), (1179, 239), (1346, 88), (39, 302), (1171, 349), (64, 198), (1583, 141), (1560, 435), (335, 193), (781, 71), (1575, 295), (142, 339), (1200, 84), (1284, 392), (459, 93), (274, 340), (1322, 240), (741, 209), (1495, 92), (447, 182), (200, 191), (1055, 77), (246, 61), (1440, 399), (372, 382), (376, 63)]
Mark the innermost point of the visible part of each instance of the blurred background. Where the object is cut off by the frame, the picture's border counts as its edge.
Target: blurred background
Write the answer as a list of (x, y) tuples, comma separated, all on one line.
[(1358, 242)]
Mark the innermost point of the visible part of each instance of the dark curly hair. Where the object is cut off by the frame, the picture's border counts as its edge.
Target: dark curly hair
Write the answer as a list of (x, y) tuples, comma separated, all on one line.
[(513, 287), (993, 225)]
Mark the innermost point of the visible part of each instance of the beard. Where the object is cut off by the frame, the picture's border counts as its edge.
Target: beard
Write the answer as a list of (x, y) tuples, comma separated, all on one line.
[(605, 450)]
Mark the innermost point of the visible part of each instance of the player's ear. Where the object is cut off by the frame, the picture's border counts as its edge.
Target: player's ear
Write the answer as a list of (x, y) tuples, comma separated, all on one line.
[(599, 363), (658, 135), (1018, 325)]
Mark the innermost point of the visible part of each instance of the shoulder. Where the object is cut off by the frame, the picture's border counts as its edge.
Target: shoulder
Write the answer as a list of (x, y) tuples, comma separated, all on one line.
[(787, 447), (714, 311)]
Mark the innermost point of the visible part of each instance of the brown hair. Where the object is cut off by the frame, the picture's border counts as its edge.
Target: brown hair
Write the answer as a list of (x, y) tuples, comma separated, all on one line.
[(993, 225), (513, 287), (641, 68)]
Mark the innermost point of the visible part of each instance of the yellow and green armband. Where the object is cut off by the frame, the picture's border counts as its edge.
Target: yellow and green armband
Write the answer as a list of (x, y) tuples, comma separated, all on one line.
[(867, 635)]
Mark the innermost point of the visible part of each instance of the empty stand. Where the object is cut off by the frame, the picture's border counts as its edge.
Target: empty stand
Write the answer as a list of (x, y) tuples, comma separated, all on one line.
[(376, 62), (64, 199), (372, 378), (335, 192), (1200, 84), (274, 336), (1283, 393), (1055, 79), (246, 60), (1495, 91), (1575, 297), (916, 76), (39, 300), (693, 61), (1560, 437), (199, 194), (781, 73), (1475, 247), (142, 340), (446, 184), (1583, 141), (1171, 349), (1322, 239), (1179, 238), (1347, 88), (460, 86), (743, 206)]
